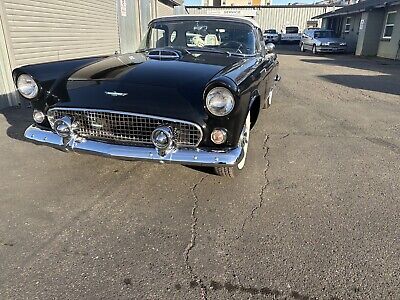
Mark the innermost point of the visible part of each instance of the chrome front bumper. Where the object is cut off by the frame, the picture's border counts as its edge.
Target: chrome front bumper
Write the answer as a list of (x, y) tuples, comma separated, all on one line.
[(331, 49), (196, 156)]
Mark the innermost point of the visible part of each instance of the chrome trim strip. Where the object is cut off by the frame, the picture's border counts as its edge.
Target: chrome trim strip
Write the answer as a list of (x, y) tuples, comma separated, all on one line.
[(186, 156), (132, 114)]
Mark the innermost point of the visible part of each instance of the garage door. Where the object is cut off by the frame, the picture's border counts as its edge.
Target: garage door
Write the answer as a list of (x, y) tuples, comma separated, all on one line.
[(50, 30)]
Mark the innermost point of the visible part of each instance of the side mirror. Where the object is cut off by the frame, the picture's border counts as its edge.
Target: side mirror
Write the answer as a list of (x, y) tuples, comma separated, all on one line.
[(270, 48)]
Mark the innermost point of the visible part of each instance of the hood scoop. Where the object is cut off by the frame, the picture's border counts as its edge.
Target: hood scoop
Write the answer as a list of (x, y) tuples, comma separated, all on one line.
[(164, 55)]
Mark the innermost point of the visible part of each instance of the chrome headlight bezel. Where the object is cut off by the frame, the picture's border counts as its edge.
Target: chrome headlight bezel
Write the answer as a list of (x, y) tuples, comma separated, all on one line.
[(27, 86), (220, 101)]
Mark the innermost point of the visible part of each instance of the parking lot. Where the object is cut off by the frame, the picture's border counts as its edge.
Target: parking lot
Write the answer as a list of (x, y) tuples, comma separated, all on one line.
[(315, 214)]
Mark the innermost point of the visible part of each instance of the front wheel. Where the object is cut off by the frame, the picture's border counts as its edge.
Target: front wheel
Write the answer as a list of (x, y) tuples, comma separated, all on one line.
[(244, 143), (302, 47)]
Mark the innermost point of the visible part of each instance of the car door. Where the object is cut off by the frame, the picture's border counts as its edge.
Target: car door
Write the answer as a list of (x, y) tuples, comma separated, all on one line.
[(264, 69), (310, 40), (306, 39)]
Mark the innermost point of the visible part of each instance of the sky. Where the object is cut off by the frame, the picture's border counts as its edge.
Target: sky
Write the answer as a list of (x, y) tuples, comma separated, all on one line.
[(274, 2)]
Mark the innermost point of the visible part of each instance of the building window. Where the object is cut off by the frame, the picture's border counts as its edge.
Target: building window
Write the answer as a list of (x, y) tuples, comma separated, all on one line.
[(389, 25), (347, 25)]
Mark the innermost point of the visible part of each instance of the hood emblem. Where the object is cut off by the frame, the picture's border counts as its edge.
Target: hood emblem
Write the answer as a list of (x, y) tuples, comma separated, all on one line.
[(116, 94)]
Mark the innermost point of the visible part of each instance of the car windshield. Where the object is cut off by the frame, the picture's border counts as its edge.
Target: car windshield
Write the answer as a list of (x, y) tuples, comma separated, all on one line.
[(270, 31), (232, 37), (324, 34), (292, 29)]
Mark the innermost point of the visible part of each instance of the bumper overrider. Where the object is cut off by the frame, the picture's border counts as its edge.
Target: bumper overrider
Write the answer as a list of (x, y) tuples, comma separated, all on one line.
[(184, 156)]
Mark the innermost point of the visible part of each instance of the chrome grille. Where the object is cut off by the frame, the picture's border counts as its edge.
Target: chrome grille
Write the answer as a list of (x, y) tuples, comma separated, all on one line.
[(126, 128)]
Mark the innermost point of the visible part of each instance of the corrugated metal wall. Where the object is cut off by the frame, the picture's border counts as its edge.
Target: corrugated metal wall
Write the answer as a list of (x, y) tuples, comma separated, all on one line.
[(134, 25), (270, 16), (49, 30), (129, 26)]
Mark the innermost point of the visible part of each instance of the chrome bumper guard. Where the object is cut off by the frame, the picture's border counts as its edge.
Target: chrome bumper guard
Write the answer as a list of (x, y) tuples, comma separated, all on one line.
[(196, 156)]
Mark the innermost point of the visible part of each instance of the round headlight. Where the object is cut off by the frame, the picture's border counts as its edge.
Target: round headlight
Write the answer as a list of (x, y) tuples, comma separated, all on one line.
[(220, 101), (27, 86)]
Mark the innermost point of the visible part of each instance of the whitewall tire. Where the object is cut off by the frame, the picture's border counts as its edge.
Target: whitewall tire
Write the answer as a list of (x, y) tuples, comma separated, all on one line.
[(244, 143)]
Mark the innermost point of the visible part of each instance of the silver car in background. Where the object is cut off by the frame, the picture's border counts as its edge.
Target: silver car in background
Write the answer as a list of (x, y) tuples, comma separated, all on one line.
[(320, 40)]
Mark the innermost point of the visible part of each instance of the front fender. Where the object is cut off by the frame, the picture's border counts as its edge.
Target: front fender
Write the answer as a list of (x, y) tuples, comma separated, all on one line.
[(48, 74)]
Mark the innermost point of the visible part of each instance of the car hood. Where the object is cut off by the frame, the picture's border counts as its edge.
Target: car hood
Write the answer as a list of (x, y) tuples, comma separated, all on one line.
[(139, 68), (136, 83)]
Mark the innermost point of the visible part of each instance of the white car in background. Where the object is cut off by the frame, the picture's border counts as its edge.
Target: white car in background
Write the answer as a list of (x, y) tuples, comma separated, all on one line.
[(291, 34), (271, 36)]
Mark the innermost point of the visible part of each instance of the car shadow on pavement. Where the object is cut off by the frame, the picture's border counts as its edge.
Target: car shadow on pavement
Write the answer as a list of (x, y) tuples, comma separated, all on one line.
[(387, 81), (18, 118), (380, 83), (289, 49)]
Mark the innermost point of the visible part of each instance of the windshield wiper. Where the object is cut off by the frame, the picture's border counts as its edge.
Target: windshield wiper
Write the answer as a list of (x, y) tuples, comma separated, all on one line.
[(179, 49)]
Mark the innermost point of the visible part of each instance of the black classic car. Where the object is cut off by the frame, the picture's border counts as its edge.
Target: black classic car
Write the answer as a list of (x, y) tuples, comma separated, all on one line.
[(190, 95)]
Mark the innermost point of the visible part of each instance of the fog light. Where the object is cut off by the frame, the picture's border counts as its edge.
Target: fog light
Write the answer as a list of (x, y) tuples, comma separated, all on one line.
[(38, 116), (63, 127), (218, 136), (163, 138)]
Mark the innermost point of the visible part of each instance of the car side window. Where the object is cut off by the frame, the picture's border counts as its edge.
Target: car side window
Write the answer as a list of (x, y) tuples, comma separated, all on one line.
[(157, 38)]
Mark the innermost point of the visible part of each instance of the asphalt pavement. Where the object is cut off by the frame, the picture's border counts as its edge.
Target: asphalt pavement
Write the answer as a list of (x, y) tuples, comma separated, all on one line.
[(315, 214)]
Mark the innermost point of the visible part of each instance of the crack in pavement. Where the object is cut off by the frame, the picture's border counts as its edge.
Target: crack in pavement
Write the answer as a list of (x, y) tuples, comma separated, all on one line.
[(195, 278), (262, 191), (285, 136)]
